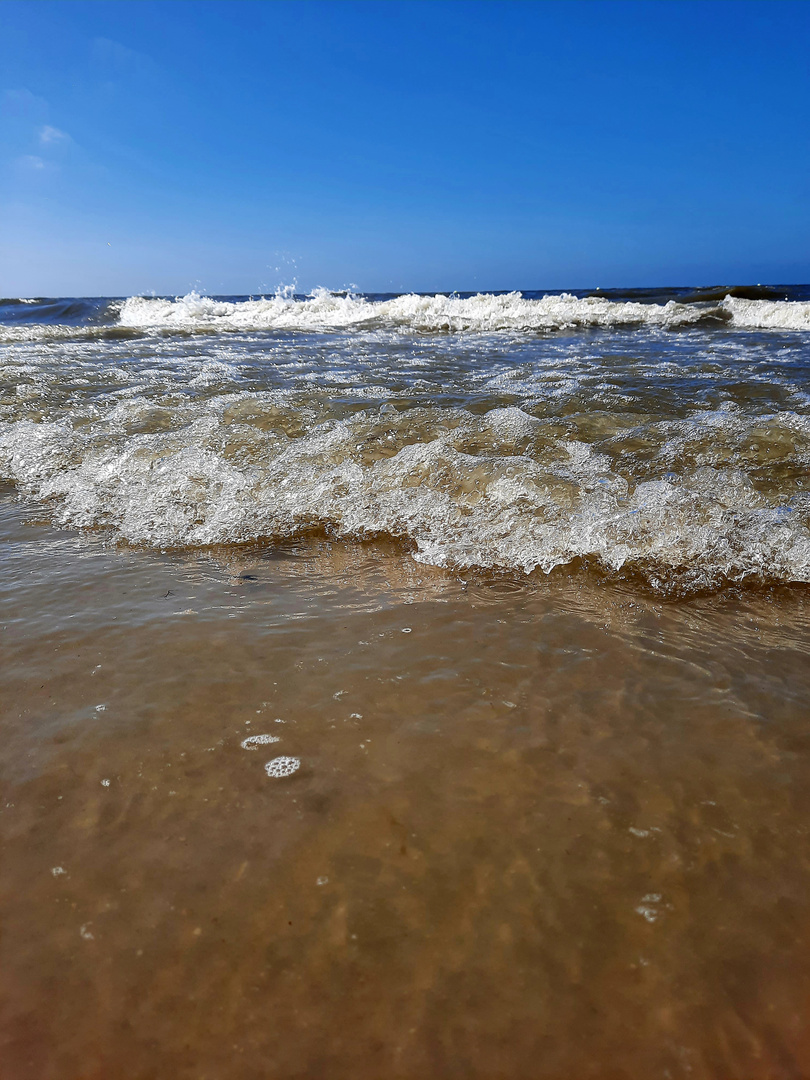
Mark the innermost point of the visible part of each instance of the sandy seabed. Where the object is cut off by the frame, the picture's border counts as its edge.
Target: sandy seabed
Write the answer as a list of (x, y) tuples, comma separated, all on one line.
[(551, 828)]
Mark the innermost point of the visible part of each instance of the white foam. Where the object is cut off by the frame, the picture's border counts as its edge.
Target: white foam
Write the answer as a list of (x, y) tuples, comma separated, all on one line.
[(258, 740), (282, 766), (768, 314), (324, 310), (173, 446), (484, 312), (491, 491), (45, 332)]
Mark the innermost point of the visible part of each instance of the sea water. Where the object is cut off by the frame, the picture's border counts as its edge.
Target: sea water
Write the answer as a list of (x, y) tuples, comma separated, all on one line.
[(406, 685)]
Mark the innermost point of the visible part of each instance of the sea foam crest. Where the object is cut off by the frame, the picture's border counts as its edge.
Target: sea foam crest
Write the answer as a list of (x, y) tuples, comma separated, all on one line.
[(485, 312), (325, 310), (768, 314), (486, 491)]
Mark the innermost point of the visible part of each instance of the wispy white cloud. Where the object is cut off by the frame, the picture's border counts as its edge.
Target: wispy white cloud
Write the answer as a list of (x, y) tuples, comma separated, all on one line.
[(122, 60), (31, 161), (22, 104), (48, 134)]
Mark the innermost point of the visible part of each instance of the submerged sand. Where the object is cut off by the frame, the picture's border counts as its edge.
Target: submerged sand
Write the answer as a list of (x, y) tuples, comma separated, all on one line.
[(537, 827)]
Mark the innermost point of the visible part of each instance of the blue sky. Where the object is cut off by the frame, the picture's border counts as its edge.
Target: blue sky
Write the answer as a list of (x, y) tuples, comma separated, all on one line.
[(230, 147)]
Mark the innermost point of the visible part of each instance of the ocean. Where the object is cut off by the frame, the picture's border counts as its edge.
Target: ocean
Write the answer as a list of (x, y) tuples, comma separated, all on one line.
[(406, 685)]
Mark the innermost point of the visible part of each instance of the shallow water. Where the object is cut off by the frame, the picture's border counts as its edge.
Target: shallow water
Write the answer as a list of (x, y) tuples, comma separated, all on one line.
[(405, 687), (552, 828), (669, 440)]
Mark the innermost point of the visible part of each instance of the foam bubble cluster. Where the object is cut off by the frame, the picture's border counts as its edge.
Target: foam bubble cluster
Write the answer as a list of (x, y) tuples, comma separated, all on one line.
[(282, 766), (253, 741)]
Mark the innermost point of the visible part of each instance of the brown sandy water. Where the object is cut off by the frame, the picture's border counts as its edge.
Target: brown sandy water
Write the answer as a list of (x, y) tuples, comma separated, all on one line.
[(550, 829)]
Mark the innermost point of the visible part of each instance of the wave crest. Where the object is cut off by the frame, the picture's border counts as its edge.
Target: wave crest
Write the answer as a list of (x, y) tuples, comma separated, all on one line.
[(325, 311), (485, 312), (489, 492)]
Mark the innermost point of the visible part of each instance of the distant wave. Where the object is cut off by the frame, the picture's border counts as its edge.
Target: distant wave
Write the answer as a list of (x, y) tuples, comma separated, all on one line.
[(326, 311), (485, 312), (768, 314)]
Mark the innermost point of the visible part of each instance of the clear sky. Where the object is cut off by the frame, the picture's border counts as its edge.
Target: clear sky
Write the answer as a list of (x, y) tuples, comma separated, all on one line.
[(229, 147)]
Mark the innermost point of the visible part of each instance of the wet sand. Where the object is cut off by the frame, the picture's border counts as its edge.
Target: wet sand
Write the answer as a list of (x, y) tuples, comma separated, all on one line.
[(553, 828)]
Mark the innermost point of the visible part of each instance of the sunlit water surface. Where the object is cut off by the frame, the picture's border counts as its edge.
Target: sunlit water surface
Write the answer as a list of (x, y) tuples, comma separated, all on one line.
[(551, 830)]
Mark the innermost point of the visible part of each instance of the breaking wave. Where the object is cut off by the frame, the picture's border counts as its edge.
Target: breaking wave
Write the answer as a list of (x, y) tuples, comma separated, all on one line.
[(486, 443), (325, 311), (493, 492), (485, 312)]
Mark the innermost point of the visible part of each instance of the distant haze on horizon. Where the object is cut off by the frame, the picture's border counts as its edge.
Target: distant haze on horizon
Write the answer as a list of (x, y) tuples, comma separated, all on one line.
[(230, 148)]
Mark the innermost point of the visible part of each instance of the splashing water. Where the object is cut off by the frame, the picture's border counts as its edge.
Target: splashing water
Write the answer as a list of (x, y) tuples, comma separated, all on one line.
[(506, 432)]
